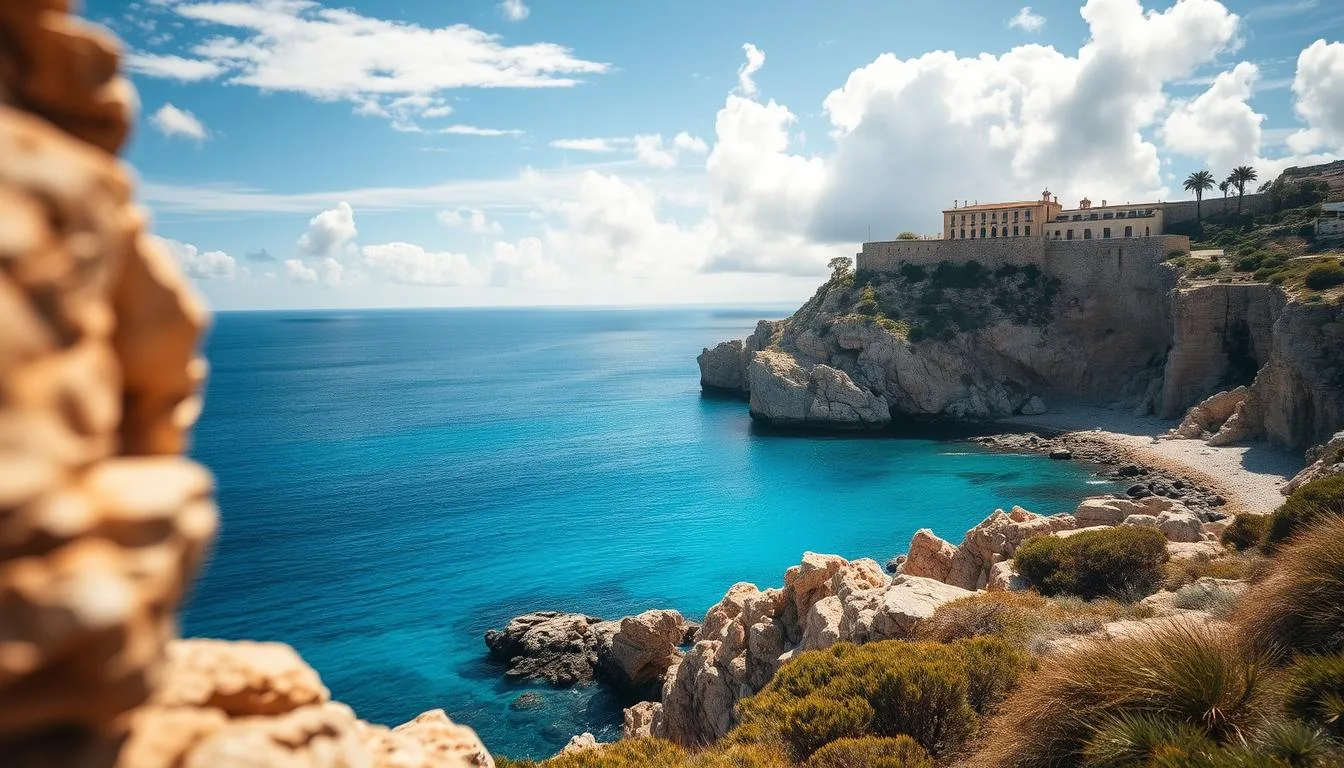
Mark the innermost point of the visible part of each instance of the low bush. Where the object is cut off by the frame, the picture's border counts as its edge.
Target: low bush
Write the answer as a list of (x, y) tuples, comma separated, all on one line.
[(1295, 745), (1238, 566), (740, 756), (1246, 531), (913, 272), (1184, 673), (1322, 496), (1024, 619), (1134, 741), (1300, 605), (931, 692), (1314, 692), (1323, 276), (871, 752), (1115, 561), (627, 753)]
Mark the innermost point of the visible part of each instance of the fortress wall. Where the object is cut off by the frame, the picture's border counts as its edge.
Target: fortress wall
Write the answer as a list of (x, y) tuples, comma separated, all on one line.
[(1053, 256), (1183, 211)]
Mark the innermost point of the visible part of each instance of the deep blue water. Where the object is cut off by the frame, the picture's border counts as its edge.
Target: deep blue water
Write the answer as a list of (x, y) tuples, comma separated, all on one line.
[(392, 484)]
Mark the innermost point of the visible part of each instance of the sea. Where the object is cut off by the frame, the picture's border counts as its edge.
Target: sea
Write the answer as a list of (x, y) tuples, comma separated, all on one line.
[(394, 483)]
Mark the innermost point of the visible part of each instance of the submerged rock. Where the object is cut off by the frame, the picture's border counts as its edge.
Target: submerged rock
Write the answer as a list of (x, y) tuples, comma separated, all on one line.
[(560, 648)]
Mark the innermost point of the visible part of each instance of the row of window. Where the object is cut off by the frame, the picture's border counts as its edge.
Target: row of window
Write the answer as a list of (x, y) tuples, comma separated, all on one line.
[(992, 232), (992, 216), (1136, 214), (1105, 233)]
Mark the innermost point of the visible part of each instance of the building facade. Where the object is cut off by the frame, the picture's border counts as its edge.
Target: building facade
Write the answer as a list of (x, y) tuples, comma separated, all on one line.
[(1105, 222), (994, 220)]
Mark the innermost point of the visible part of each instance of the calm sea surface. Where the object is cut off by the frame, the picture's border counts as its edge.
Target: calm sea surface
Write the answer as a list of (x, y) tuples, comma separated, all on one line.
[(394, 483)]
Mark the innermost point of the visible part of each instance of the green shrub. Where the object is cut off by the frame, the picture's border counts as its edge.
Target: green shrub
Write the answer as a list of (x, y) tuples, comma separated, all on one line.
[(931, 692), (867, 304), (627, 753), (815, 721), (1115, 561), (740, 756), (913, 272), (1300, 605), (1314, 692), (1294, 744), (971, 274), (1324, 495), (1246, 531), (1211, 268), (1324, 276), (1134, 741), (1247, 264), (1264, 273), (871, 752), (1180, 672)]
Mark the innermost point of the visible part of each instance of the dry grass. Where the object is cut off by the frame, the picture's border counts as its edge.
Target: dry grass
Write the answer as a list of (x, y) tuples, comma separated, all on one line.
[(1024, 619), (1178, 671), (1249, 565), (1299, 607)]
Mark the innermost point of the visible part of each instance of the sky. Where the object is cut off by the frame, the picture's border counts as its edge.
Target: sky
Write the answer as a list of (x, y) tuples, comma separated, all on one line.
[(378, 153)]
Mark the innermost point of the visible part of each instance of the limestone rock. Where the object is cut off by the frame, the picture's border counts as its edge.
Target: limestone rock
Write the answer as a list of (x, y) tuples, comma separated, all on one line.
[(929, 556), (1033, 407), (1141, 521), (911, 599), (783, 392), (724, 367), (1322, 460), (1003, 577), (1198, 550), (1208, 417), (637, 655), (560, 648), (637, 721), (237, 678), (995, 539), (431, 740), (1180, 525), (1106, 511), (584, 742)]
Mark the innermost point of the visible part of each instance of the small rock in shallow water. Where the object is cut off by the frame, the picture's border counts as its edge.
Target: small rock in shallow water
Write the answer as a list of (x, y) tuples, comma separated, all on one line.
[(1061, 453), (1137, 491), (529, 700)]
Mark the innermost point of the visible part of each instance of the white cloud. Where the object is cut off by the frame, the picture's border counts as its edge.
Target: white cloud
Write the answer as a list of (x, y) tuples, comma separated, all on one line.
[(413, 265), (327, 271), (173, 67), (300, 272), (755, 60), (300, 46), (1027, 21), (589, 145), (471, 130), (649, 150), (514, 10), (685, 142), (329, 231), (472, 220), (171, 121), (1219, 126), (210, 265), (1319, 88)]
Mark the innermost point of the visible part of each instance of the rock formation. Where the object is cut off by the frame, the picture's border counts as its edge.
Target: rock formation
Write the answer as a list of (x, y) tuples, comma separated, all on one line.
[(632, 654), (962, 342), (102, 521), (1322, 460), (1206, 420), (750, 633)]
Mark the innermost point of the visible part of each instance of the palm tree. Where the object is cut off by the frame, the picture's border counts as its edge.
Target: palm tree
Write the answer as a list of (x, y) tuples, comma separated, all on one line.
[(1199, 182), (1224, 186), (1241, 176)]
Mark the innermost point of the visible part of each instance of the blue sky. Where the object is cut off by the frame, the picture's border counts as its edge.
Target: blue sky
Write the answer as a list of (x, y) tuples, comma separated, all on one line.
[(474, 152)]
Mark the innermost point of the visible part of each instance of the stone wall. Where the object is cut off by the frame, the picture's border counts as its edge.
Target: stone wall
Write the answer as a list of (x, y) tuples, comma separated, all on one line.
[(1221, 335), (1050, 255), (1184, 210)]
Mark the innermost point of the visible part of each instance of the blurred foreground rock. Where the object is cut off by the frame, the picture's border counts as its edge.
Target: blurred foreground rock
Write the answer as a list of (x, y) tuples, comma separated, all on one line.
[(102, 522)]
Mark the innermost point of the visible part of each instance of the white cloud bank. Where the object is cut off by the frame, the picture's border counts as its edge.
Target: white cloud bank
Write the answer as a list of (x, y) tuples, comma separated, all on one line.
[(1027, 21), (210, 265)]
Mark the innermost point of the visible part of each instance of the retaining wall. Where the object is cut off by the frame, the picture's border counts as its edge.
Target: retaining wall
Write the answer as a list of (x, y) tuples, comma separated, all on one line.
[(1052, 256), (1183, 211)]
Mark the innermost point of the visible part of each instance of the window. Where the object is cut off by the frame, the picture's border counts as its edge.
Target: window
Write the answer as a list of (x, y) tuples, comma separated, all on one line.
[(1056, 234), (1028, 228), (1028, 214), (982, 231), (982, 219), (1093, 217), (1105, 233), (1015, 214), (1108, 215), (1087, 234), (1069, 235), (1145, 232), (1129, 231), (1014, 231), (1077, 217), (993, 231), (963, 233), (963, 218), (994, 216)]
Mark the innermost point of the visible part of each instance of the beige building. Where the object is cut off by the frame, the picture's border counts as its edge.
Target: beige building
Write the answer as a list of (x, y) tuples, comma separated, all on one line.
[(1021, 219), (1105, 222)]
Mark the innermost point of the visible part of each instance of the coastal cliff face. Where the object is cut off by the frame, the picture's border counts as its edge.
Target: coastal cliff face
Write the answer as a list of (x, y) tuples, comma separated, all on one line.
[(964, 342), (103, 522)]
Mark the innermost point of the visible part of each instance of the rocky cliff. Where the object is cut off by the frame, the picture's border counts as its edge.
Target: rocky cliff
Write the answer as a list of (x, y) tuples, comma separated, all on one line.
[(102, 522), (964, 342)]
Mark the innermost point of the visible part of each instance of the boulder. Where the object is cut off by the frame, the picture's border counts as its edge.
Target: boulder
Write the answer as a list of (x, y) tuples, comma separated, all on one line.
[(1105, 511), (1003, 577), (909, 600), (560, 648), (635, 658), (783, 392), (238, 678), (1033, 407), (996, 538), (1322, 460), (929, 556), (1207, 418), (1198, 550), (724, 367), (637, 721), (584, 742), (1181, 525)]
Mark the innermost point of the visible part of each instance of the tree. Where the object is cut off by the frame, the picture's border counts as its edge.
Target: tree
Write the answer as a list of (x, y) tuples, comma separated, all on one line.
[(1224, 186), (839, 267), (1199, 182), (1241, 176), (907, 235)]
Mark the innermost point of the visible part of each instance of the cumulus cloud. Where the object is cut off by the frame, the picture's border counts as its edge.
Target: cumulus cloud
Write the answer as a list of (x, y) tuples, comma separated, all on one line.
[(1219, 126), (327, 271), (1027, 21), (413, 265), (210, 265), (514, 10), (472, 220), (649, 150), (301, 46), (1319, 88), (173, 67), (172, 121), (755, 60), (329, 231), (685, 142)]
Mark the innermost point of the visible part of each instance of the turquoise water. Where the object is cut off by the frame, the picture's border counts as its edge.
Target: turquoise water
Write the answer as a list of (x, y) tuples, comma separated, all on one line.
[(392, 484)]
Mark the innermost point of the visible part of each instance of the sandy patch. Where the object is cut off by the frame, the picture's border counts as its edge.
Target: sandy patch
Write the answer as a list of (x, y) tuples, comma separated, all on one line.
[(1248, 477)]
